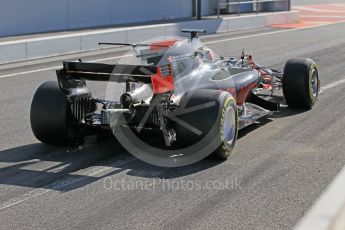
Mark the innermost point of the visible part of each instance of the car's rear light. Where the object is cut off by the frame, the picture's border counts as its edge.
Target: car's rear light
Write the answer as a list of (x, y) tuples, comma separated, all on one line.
[(163, 81)]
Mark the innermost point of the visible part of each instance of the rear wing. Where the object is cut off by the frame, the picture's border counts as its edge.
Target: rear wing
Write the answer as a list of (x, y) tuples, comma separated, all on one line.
[(74, 74)]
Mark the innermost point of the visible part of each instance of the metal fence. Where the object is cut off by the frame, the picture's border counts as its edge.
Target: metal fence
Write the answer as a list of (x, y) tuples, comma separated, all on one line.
[(257, 6)]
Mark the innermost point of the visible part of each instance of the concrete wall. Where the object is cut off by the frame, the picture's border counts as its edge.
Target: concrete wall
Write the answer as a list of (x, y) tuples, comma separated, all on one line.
[(32, 16), (51, 45)]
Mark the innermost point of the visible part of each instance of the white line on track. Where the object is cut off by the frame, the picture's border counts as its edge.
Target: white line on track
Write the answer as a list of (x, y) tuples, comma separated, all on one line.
[(40, 191), (321, 16), (319, 10), (64, 183), (332, 85), (212, 42), (74, 35), (338, 4), (30, 71), (328, 211), (57, 67), (270, 33)]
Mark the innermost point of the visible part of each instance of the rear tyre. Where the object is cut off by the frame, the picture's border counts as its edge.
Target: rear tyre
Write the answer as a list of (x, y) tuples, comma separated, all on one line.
[(301, 83), (50, 116), (217, 120), (228, 125)]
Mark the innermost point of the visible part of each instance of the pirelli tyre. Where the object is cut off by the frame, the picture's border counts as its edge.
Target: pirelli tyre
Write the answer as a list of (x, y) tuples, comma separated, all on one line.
[(210, 119), (50, 116), (301, 83)]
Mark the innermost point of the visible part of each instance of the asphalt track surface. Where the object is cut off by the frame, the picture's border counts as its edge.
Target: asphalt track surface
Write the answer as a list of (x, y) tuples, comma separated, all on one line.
[(278, 170)]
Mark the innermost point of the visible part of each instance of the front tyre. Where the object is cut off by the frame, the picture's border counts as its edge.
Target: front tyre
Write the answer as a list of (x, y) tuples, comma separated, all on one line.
[(301, 83), (50, 116)]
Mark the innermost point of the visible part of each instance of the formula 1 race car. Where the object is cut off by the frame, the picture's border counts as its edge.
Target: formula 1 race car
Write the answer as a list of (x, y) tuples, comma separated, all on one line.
[(176, 90)]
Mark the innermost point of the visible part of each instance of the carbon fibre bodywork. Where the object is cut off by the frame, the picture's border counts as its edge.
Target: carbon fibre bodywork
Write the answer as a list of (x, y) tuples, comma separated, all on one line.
[(179, 89), (166, 69)]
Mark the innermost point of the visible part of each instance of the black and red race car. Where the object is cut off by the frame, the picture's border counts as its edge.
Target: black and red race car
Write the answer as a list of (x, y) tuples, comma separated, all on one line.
[(176, 91)]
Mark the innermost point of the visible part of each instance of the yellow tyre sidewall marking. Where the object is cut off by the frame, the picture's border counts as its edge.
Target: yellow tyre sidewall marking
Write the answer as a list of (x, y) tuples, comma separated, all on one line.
[(222, 118), (313, 68)]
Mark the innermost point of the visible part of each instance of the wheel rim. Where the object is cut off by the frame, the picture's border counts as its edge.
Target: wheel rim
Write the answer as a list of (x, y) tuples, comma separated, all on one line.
[(314, 84), (229, 127)]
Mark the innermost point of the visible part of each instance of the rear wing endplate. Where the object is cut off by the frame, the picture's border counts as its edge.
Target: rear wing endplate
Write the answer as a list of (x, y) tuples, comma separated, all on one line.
[(74, 74)]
